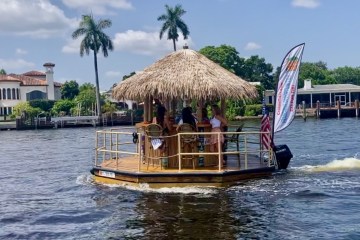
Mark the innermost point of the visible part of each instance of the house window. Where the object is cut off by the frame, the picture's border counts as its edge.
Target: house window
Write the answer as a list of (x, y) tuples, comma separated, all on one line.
[(35, 95), (8, 93), (9, 110), (4, 93), (18, 93), (0, 94), (5, 111), (13, 94)]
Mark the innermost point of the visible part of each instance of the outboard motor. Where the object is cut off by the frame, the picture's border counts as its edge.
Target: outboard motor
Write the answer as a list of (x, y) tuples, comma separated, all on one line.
[(283, 156)]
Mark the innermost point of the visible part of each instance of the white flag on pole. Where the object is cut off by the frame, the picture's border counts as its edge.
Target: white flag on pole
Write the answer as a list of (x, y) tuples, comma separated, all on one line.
[(285, 102)]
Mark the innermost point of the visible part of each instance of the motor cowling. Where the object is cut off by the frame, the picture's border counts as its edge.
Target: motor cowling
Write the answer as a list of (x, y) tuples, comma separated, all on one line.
[(283, 156)]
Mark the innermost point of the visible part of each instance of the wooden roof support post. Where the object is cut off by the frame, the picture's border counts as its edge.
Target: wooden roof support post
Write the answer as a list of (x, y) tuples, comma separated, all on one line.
[(146, 110), (167, 105), (223, 107), (150, 114), (199, 110), (173, 107)]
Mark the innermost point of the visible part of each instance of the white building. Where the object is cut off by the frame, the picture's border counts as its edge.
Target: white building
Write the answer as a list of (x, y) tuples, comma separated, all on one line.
[(327, 95), (28, 86)]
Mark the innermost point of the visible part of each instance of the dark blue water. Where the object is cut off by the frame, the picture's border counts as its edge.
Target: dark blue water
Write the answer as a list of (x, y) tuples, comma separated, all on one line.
[(47, 192)]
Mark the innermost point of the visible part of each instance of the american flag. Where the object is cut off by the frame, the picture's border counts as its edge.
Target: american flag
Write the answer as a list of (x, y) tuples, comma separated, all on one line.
[(265, 127)]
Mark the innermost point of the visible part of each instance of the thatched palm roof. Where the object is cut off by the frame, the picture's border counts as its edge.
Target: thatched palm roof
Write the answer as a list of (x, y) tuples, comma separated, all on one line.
[(184, 74)]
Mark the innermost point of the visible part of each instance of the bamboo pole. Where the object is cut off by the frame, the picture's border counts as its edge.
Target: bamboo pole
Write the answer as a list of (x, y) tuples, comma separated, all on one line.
[(146, 110), (139, 147), (150, 113), (219, 151), (179, 151)]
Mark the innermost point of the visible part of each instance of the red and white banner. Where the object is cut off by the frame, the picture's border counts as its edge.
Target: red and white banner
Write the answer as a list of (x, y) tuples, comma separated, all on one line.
[(285, 102)]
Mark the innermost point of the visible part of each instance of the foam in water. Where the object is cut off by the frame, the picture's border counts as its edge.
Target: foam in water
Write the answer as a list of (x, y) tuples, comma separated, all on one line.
[(183, 190), (85, 179), (336, 165)]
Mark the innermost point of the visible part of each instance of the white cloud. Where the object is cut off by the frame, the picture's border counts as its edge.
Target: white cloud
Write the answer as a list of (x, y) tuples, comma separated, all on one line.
[(72, 46), (306, 3), (113, 74), (252, 46), (14, 64), (138, 42), (36, 18), (146, 43), (97, 7), (20, 51)]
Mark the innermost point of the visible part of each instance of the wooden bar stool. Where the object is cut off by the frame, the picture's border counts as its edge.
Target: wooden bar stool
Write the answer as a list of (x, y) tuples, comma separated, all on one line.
[(188, 142)]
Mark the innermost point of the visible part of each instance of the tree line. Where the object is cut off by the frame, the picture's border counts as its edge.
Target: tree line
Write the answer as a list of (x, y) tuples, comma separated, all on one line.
[(76, 100), (252, 69)]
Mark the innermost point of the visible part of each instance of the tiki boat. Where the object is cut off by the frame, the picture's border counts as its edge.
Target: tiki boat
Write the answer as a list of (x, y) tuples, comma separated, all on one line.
[(144, 155)]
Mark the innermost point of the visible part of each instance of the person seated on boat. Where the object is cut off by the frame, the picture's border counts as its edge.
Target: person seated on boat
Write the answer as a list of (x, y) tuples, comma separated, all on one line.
[(205, 118), (163, 119), (187, 117), (217, 123)]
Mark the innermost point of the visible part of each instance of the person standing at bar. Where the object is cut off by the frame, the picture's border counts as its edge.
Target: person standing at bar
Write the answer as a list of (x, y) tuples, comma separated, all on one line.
[(217, 122)]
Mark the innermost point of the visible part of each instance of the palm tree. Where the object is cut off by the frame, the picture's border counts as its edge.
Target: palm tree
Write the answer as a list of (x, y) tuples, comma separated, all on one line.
[(94, 39), (172, 21)]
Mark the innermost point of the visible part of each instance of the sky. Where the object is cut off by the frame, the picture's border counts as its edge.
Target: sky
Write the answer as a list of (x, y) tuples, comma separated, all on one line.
[(34, 32)]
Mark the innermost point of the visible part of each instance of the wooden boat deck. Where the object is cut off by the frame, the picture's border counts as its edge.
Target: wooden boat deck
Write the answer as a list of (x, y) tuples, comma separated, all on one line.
[(117, 161), (131, 164)]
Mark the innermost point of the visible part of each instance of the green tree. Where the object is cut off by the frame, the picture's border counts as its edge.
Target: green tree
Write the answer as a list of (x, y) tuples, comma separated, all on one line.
[(347, 75), (69, 90), (63, 105), (86, 99), (24, 108), (44, 104), (109, 107), (94, 39), (226, 56), (86, 86), (255, 69), (172, 22), (317, 72)]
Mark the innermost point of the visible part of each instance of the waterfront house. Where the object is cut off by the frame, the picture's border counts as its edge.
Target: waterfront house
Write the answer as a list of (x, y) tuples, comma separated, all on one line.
[(16, 88), (327, 95)]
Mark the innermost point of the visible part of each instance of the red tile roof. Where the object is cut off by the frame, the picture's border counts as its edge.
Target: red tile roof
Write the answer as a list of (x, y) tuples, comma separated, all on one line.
[(34, 73), (29, 81), (31, 78), (8, 78)]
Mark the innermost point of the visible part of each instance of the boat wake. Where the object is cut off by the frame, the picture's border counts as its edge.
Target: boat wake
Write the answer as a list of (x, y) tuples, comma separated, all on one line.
[(85, 179), (335, 165), (167, 190)]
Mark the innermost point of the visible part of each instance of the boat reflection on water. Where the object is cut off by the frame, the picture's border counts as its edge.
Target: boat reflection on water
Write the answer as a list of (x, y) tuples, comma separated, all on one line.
[(184, 216)]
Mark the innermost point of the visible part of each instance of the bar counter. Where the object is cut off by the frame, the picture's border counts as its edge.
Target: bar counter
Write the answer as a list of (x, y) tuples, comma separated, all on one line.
[(166, 156)]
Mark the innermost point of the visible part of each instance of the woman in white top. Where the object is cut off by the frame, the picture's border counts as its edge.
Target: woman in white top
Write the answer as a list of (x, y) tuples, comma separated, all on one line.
[(217, 122)]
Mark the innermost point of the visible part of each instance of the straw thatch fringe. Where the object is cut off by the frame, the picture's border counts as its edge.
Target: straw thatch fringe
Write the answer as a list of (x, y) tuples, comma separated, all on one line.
[(184, 74)]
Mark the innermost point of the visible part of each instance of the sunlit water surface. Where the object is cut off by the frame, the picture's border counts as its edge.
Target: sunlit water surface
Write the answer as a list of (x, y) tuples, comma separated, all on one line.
[(47, 192)]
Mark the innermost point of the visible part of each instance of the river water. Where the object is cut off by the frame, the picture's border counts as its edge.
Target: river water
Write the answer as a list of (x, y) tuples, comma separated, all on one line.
[(47, 192)]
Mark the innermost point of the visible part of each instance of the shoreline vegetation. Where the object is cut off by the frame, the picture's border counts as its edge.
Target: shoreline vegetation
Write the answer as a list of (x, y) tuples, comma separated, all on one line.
[(11, 124)]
